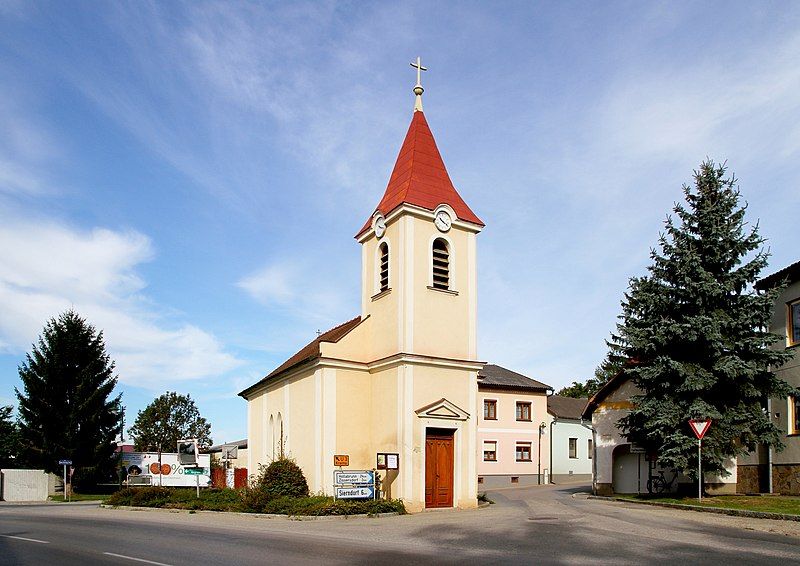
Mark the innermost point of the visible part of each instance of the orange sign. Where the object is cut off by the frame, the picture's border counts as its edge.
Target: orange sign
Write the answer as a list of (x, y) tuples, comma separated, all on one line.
[(341, 460)]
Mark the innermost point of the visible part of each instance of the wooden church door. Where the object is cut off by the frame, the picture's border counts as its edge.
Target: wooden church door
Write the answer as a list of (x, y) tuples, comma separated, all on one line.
[(439, 468)]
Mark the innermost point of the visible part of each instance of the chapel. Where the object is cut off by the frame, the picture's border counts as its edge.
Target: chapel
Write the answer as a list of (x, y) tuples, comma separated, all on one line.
[(401, 377)]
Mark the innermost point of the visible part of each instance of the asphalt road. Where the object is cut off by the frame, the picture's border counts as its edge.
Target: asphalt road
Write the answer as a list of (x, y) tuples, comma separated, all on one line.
[(538, 525)]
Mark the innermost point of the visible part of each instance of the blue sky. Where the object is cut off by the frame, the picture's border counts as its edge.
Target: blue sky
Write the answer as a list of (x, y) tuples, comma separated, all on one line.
[(190, 175)]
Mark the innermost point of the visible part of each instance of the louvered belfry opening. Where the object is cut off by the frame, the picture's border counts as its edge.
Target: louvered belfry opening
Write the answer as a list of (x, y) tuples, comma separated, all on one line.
[(384, 273), (441, 265)]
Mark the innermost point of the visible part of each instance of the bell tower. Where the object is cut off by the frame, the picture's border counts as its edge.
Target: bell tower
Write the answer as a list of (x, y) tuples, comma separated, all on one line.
[(419, 261)]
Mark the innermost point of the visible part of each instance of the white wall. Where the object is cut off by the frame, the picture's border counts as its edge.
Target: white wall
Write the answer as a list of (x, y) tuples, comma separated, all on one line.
[(562, 463), (23, 485)]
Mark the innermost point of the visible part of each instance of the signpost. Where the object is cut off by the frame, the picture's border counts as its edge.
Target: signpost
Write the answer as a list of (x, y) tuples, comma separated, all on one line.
[(340, 460), (367, 492), (700, 428), (356, 477), (65, 463), (196, 472), (356, 484)]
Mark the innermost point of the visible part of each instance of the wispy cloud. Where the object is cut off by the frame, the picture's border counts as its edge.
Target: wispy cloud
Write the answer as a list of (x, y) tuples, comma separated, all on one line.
[(299, 291), (25, 144), (246, 87), (46, 268)]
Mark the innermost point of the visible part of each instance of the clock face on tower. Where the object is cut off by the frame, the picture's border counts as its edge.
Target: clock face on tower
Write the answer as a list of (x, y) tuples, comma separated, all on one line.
[(380, 226), (443, 221)]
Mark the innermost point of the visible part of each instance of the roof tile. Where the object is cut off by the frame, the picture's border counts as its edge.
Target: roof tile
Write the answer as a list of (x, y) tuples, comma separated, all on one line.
[(420, 178)]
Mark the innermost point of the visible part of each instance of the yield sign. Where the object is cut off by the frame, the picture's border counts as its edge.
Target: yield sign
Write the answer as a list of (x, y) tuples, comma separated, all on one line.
[(700, 427)]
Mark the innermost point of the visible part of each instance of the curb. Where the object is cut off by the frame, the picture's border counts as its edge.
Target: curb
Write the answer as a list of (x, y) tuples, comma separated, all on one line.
[(256, 515), (717, 510)]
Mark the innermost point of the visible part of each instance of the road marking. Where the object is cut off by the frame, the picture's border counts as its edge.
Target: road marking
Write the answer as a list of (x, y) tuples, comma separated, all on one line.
[(136, 559), (28, 539)]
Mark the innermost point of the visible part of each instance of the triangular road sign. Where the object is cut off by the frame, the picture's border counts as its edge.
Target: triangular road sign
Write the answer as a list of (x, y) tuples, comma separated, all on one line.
[(700, 427)]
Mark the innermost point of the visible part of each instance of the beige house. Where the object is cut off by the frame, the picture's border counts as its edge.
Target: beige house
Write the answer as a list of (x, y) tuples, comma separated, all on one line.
[(621, 467), (512, 429), (768, 470), (401, 377)]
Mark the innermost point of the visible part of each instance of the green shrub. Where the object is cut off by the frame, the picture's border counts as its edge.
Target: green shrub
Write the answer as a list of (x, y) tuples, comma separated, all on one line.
[(283, 477), (153, 496), (121, 497), (224, 499), (254, 499)]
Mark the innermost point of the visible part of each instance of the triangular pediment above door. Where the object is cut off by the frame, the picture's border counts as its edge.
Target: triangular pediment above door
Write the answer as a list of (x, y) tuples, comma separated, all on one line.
[(443, 409)]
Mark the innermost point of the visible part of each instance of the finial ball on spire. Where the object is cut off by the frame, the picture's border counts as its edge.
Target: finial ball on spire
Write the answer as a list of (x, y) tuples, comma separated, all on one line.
[(418, 90)]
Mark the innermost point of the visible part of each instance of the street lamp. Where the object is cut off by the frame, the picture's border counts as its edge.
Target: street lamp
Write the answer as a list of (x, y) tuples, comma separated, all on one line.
[(542, 426)]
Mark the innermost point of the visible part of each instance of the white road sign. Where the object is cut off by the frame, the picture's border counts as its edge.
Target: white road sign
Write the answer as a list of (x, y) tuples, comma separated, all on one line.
[(355, 477), (355, 492)]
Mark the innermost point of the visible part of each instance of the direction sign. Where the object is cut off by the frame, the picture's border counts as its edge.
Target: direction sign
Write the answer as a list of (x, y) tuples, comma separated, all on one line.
[(700, 427), (65, 462), (363, 492), (356, 477), (193, 471), (341, 460)]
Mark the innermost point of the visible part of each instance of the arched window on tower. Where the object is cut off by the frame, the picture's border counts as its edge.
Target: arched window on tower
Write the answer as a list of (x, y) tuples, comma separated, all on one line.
[(441, 264), (383, 274)]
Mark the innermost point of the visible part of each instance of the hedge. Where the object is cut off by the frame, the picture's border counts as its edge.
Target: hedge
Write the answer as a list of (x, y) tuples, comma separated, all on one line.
[(249, 500)]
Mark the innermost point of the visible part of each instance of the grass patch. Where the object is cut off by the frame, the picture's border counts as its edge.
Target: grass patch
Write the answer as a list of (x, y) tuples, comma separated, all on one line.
[(250, 500), (80, 497), (785, 504)]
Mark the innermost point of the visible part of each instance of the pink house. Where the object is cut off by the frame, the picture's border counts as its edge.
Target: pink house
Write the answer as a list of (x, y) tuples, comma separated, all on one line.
[(513, 447)]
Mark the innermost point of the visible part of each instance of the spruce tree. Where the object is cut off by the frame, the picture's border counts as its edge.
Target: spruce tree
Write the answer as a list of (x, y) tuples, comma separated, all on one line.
[(693, 333), (9, 439), (66, 410)]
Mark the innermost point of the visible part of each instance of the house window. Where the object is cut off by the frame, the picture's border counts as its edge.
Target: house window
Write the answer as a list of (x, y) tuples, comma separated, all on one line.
[(480, 479), (523, 411), (490, 451), (441, 264), (573, 447), (794, 415), (589, 445), (794, 323), (384, 267), (514, 479), (490, 410), (523, 451)]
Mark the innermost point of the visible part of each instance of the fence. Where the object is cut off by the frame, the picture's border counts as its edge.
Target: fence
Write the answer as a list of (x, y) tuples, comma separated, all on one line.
[(219, 478)]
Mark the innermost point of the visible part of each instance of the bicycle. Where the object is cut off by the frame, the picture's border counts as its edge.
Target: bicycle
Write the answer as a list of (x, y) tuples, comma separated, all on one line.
[(659, 483)]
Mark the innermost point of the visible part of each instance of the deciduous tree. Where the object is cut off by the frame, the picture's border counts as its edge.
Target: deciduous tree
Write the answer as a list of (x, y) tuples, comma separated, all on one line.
[(169, 418)]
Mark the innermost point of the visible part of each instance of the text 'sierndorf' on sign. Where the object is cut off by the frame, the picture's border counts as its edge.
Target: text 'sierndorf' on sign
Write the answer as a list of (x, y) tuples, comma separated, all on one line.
[(355, 492)]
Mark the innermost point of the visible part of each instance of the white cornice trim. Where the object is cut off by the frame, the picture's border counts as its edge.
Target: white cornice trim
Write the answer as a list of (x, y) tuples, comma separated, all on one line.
[(418, 359), (420, 212), (383, 363)]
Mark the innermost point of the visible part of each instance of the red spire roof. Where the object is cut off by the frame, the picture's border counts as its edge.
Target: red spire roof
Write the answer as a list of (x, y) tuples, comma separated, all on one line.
[(420, 178)]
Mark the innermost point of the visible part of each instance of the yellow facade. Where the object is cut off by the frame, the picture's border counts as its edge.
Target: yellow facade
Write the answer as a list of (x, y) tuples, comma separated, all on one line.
[(376, 389)]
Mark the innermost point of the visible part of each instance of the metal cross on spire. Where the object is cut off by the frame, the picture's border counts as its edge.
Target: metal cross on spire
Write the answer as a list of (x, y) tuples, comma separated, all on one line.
[(418, 90)]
